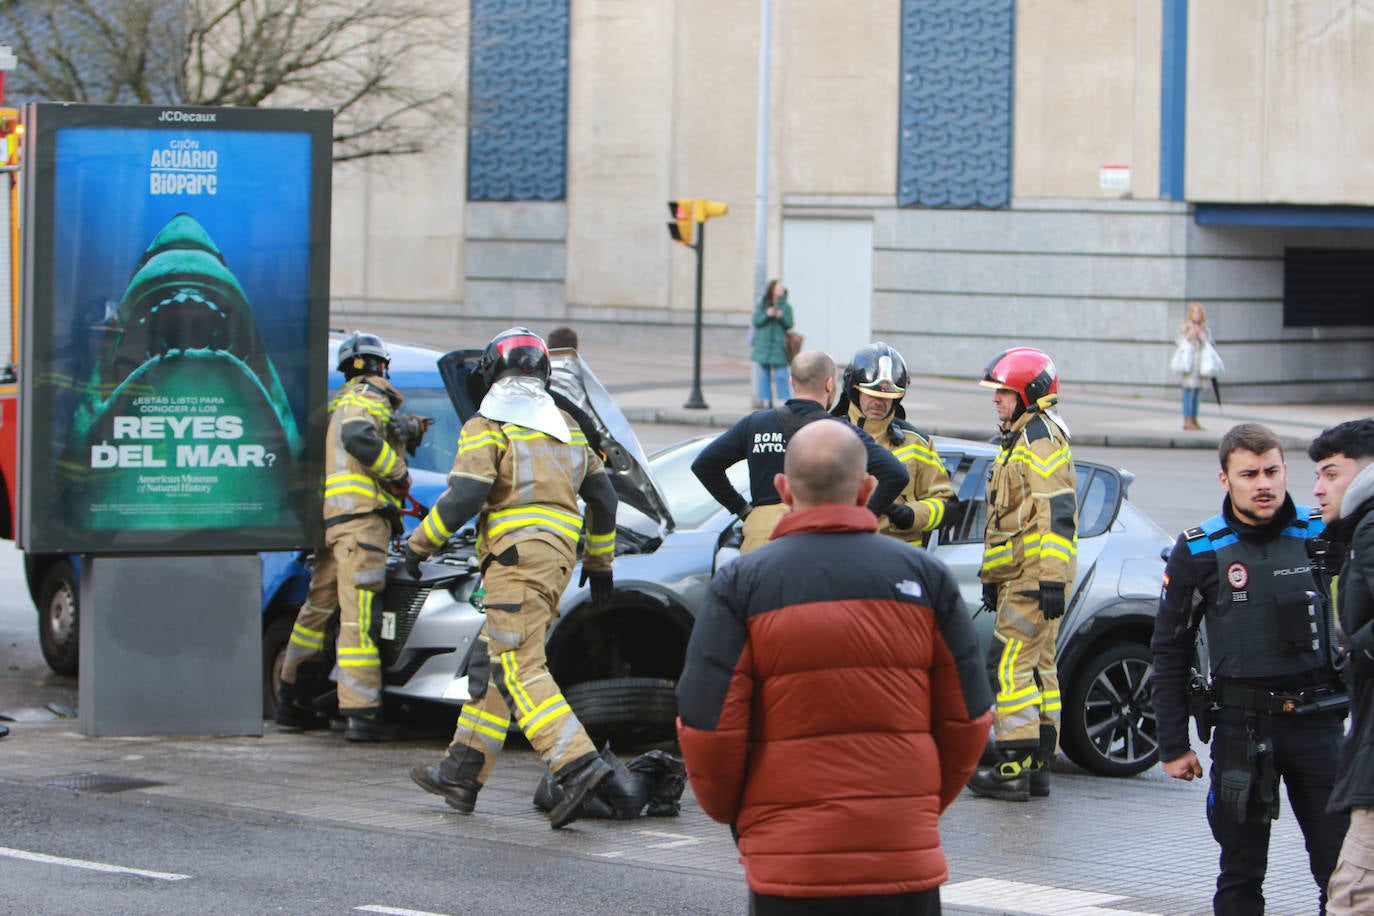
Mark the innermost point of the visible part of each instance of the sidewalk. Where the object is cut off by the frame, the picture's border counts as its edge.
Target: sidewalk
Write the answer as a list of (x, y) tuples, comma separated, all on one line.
[(651, 383)]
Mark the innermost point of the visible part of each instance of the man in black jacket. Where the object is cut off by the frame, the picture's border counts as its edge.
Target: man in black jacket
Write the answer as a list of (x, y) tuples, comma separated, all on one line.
[(1269, 647), (761, 439), (1344, 456)]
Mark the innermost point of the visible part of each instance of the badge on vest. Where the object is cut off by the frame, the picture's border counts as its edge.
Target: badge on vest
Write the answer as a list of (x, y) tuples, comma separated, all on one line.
[(1238, 577)]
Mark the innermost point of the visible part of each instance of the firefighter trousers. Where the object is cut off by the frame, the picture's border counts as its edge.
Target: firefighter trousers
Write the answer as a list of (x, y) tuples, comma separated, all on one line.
[(758, 527), (350, 573), (509, 675), (1027, 679)]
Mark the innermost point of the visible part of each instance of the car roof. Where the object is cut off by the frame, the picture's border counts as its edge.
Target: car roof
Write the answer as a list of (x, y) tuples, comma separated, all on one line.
[(412, 365)]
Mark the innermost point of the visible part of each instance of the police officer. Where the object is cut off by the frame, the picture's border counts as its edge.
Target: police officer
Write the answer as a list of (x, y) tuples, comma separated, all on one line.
[(871, 399), (1030, 556), (523, 463), (761, 439), (365, 481), (1246, 572)]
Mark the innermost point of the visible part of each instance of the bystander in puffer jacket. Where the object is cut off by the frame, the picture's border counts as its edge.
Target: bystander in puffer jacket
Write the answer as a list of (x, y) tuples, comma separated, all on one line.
[(830, 714)]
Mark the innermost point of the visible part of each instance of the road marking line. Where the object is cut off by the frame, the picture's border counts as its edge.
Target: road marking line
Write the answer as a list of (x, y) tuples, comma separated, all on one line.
[(1032, 899), (92, 866), (678, 839), (394, 910)]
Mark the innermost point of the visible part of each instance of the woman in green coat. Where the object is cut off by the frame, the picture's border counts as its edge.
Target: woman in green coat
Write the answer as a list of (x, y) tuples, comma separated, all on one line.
[(772, 320)]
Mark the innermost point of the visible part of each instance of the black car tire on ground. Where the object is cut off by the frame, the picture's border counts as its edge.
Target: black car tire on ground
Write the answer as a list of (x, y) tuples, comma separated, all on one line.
[(59, 618), (274, 640), (1109, 725), (635, 707)]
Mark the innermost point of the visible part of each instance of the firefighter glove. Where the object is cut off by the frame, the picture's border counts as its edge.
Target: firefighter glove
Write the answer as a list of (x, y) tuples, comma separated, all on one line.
[(744, 513), (411, 429), (990, 597), (954, 513), (1052, 600), (603, 583), (412, 561), (901, 516)]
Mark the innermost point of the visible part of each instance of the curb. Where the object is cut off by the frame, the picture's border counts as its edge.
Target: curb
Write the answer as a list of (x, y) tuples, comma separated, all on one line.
[(724, 420)]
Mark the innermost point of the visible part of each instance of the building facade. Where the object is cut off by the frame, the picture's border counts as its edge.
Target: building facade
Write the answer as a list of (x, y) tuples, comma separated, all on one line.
[(953, 176)]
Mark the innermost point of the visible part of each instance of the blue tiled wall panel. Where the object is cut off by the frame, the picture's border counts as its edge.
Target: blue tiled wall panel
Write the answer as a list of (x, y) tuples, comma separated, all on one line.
[(955, 139), (518, 100)]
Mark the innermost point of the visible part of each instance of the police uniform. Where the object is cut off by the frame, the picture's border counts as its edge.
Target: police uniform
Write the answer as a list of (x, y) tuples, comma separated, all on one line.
[(761, 440), (1031, 537), (365, 475), (526, 483), (1268, 644), (928, 489)]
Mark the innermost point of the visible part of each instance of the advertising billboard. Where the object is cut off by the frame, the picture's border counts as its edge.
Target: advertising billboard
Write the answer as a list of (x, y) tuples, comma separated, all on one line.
[(174, 328)]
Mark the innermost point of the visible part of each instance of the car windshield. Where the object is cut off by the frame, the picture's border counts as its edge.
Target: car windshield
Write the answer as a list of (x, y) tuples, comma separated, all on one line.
[(441, 442)]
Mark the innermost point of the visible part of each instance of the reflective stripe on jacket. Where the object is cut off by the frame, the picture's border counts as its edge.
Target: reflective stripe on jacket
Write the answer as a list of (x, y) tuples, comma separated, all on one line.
[(1032, 496), (533, 482), (358, 455)]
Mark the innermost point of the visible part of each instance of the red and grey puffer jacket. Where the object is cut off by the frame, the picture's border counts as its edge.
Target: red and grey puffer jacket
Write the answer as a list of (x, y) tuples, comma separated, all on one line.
[(833, 703)]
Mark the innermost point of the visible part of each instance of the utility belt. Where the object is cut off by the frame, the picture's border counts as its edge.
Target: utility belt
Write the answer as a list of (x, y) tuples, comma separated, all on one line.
[(1205, 701), (1245, 780)]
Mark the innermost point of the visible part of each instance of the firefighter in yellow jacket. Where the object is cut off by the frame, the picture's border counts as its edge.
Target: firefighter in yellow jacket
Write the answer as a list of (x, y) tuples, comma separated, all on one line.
[(872, 400), (365, 481), (1030, 554), (521, 465)]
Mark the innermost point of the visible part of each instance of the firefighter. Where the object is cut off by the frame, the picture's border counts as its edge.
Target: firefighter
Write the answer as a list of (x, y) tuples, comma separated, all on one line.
[(871, 399), (522, 463), (366, 480), (1030, 552), (761, 438)]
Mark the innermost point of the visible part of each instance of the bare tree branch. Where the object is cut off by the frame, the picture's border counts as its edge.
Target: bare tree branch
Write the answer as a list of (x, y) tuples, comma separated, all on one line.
[(387, 68)]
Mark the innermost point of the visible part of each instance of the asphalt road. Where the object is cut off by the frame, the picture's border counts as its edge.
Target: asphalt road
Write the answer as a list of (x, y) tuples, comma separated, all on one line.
[(119, 854)]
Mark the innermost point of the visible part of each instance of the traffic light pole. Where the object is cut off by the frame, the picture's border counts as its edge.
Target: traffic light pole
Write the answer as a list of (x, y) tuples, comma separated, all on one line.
[(694, 400)]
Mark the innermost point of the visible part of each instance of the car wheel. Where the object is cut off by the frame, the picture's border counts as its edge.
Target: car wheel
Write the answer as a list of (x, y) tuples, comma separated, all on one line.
[(274, 640), (638, 708), (58, 618), (1109, 720)]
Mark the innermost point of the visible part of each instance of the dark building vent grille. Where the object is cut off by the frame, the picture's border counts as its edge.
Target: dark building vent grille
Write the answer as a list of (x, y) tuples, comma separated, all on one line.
[(1328, 287)]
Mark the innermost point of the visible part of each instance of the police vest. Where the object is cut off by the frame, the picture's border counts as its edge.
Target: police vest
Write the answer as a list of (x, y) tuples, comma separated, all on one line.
[(1268, 619)]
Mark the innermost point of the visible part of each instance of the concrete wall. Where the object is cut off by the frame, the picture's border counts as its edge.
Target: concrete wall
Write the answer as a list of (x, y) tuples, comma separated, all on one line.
[(662, 105), (1278, 102), (1087, 94)]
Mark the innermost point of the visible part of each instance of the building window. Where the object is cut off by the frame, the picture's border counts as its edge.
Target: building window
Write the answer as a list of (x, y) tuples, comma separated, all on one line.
[(1328, 287), (954, 148), (518, 100)]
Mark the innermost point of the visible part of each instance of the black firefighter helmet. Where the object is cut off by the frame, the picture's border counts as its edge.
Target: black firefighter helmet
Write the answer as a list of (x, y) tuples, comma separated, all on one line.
[(516, 351)]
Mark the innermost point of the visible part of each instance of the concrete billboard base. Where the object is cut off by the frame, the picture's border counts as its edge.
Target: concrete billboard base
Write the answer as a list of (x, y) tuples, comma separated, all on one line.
[(171, 646)]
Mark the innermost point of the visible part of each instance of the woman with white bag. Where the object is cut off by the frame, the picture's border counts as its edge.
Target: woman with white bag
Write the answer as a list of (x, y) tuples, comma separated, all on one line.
[(1195, 358)]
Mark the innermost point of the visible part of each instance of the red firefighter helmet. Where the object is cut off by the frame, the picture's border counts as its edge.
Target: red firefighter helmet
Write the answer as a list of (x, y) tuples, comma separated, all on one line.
[(1027, 371)]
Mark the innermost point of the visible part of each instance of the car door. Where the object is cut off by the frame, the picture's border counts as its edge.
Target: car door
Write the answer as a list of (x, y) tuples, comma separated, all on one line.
[(961, 547)]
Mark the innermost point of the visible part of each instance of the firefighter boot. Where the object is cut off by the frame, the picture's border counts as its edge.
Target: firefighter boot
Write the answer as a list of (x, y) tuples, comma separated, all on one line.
[(1009, 780), (296, 712), (453, 780), (373, 728), (579, 780), (1040, 763)]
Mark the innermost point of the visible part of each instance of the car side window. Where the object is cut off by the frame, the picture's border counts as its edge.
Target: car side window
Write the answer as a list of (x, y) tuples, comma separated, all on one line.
[(1099, 497)]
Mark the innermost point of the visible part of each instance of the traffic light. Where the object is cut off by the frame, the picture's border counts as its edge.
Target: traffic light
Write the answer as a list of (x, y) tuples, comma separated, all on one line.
[(703, 209), (681, 226), (10, 132)]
